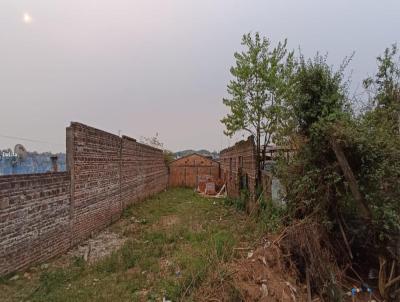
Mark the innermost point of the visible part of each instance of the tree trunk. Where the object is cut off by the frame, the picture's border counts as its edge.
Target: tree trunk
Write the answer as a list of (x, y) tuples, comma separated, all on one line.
[(348, 174), (258, 158)]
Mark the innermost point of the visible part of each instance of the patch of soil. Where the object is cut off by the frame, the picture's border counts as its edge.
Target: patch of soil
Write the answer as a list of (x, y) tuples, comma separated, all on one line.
[(260, 277), (196, 227), (98, 247), (257, 276), (165, 266)]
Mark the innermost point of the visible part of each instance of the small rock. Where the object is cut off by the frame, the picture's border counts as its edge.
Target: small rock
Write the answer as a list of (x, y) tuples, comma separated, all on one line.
[(15, 277), (96, 280), (250, 254), (264, 290), (44, 266), (267, 244), (178, 273), (27, 275), (262, 259)]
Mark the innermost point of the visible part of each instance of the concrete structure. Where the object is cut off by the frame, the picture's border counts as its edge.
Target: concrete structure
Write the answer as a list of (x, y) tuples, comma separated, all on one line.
[(186, 171), (43, 215)]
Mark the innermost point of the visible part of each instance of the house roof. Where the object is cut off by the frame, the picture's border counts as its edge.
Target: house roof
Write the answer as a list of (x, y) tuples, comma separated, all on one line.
[(205, 157)]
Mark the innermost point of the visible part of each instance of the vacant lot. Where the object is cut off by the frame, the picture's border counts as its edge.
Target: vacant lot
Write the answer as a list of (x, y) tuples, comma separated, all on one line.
[(173, 245)]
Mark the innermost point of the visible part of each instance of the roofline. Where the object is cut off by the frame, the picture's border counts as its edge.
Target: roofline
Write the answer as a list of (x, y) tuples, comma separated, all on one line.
[(195, 153), (241, 142)]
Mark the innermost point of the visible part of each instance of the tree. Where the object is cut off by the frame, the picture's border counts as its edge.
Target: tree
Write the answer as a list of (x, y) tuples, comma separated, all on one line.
[(154, 141), (260, 78), (385, 86), (346, 169)]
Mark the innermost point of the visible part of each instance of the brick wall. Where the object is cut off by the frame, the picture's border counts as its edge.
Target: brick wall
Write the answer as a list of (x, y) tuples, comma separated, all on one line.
[(43, 215), (109, 173), (186, 170), (34, 218), (95, 178), (238, 163), (143, 171)]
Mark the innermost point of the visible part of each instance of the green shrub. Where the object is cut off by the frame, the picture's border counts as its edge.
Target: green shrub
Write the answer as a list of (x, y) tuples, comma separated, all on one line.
[(270, 216), (239, 202)]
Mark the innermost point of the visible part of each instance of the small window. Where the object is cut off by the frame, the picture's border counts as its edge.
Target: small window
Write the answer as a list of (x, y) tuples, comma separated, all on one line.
[(244, 182)]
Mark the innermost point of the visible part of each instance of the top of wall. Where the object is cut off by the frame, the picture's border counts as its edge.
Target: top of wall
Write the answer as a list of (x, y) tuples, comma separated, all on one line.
[(83, 126), (130, 139), (18, 177), (190, 157), (239, 144), (102, 132)]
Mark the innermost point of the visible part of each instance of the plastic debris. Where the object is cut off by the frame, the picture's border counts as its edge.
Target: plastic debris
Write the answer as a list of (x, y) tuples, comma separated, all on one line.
[(264, 290)]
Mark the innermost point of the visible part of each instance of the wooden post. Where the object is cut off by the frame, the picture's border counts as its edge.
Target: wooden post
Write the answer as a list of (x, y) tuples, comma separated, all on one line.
[(348, 174), (309, 296)]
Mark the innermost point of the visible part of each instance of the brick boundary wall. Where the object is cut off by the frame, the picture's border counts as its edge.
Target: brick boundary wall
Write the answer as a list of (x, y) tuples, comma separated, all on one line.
[(185, 171), (238, 161), (44, 215), (34, 218), (94, 163), (143, 171)]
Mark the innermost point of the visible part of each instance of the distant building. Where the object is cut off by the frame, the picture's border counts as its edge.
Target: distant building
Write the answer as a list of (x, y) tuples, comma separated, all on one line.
[(186, 171), (33, 163)]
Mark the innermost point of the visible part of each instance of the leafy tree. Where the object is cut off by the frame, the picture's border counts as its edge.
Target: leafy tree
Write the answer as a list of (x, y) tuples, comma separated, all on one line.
[(317, 103), (342, 180), (169, 156), (319, 93), (320, 112), (385, 86), (155, 142), (260, 76), (379, 143)]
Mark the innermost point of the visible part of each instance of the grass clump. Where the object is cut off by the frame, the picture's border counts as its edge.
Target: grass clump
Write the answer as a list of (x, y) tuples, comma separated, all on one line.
[(223, 242), (271, 215)]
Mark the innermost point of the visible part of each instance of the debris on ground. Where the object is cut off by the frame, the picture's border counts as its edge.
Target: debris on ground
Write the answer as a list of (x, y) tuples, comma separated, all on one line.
[(137, 220), (255, 275), (98, 247), (210, 186), (15, 277), (261, 277)]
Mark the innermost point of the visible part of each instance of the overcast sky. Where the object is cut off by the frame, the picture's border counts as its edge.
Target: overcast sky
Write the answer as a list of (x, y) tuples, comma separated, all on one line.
[(147, 66)]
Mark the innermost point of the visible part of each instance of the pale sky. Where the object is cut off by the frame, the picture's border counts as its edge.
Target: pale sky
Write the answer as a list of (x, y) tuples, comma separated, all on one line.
[(147, 66)]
